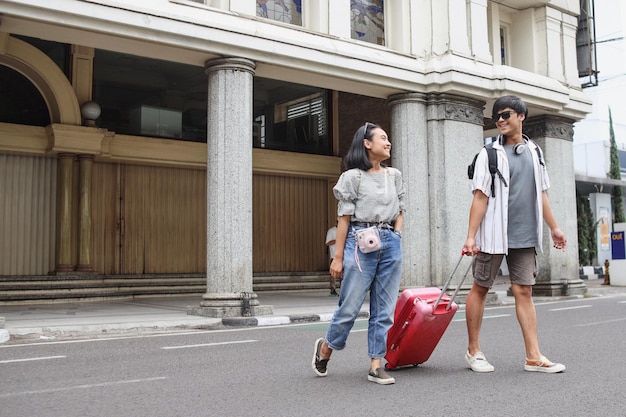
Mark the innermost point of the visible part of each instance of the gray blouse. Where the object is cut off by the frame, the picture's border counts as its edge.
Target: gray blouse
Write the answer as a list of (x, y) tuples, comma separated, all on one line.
[(370, 197)]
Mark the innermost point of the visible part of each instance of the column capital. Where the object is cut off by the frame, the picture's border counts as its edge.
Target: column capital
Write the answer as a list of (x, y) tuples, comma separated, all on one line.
[(84, 156), (557, 127), (66, 156), (229, 63), (401, 98), (455, 108)]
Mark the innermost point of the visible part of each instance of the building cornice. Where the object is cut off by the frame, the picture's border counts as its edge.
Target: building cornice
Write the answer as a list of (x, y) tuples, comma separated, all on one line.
[(192, 35)]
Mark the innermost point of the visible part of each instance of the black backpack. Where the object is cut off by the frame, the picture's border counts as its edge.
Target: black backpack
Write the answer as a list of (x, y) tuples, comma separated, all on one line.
[(493, 165)]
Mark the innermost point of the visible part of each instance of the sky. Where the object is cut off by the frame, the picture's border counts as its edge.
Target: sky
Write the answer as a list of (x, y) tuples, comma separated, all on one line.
[(610, 18)]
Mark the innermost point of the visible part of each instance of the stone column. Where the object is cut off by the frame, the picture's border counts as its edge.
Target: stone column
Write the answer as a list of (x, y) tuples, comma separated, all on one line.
[(64, 214), (409, 153), (455, 134), (85, 164), (229, 191), (558, 270)]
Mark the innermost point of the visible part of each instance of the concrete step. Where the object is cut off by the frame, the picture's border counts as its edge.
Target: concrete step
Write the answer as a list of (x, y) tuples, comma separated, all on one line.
[(52, 289)]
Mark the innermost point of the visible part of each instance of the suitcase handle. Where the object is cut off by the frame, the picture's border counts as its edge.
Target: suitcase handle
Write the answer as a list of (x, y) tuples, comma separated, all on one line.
[(449, 280)]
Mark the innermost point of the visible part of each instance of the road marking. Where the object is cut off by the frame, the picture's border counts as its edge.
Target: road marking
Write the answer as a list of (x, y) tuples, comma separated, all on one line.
[(570, 308), (208, 344), (495, 316), (43, 358), (600, 322), (103, 384)]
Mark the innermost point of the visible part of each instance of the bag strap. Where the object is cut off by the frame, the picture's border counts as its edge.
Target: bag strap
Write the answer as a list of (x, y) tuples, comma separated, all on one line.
[(492, 156)]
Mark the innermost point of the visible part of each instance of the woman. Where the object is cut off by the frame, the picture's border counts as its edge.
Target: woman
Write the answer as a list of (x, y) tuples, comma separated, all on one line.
[(369, 194)]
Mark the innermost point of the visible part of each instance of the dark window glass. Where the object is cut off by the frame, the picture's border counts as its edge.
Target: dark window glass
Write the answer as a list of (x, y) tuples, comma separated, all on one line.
[(290, 117), (150, 97), (20, 101)]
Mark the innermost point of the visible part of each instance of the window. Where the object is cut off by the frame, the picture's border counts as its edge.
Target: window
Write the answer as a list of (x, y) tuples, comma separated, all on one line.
[(20, 101), (150, 97), (290, 117), (367, 21), (503, 39), (287, 11)]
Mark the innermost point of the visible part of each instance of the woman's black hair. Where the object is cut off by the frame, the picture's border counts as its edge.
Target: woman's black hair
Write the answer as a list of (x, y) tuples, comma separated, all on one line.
[(357, 154), (513, 102)]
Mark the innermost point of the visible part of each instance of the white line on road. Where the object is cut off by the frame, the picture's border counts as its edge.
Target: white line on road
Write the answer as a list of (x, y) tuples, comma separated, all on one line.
[(600, 322), (570, 308), (103, 384), (495, 316), (43, 358), (208, 344)]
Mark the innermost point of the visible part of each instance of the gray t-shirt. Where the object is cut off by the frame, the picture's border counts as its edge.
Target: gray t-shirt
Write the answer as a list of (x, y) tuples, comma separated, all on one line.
[(370, 197), (522, 200)]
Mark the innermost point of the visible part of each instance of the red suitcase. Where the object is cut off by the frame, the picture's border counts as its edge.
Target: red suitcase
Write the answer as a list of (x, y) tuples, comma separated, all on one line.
[(421, 317)]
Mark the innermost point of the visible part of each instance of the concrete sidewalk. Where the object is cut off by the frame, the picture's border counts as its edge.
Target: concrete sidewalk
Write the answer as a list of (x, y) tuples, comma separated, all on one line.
[(169, 314)]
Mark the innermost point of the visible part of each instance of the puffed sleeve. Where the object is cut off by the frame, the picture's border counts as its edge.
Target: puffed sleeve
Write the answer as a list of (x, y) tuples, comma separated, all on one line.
[(346, 191), (400, 189)]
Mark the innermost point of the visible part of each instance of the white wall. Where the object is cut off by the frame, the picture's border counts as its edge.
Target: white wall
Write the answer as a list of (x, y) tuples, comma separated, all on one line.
[(592, 159)]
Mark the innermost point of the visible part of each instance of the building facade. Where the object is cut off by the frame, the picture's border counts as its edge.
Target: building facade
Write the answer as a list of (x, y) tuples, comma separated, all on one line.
[(204, 137)]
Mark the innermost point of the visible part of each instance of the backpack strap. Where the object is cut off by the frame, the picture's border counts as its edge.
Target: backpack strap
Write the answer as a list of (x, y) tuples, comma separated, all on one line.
[(492, 156), (538, 149)]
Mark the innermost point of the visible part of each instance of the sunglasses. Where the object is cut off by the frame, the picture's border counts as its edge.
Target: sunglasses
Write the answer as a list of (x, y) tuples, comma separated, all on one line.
[(505, 115)]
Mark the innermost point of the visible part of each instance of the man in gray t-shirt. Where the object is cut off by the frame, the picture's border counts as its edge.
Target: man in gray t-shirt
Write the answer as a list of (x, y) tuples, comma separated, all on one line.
[(508, 222)]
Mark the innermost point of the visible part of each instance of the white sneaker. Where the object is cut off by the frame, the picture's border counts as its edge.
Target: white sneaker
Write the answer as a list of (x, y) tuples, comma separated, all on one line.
[(478, 362), (544, 365)]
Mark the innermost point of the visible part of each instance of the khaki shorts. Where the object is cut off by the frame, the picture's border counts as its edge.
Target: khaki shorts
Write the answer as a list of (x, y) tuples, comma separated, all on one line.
[(522, 265)]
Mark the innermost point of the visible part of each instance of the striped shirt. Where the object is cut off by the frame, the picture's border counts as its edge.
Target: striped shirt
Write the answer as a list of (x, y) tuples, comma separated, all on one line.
[(492, 234)]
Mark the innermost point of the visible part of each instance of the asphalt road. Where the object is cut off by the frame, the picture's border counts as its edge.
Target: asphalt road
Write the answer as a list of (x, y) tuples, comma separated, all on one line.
[(266, 371)]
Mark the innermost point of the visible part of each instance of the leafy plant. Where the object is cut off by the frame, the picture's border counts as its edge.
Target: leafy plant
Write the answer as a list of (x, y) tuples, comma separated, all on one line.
[(614, 173), (587, 229)]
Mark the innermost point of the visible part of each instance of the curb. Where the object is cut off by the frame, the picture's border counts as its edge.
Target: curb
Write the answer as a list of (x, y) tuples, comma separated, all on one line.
[(277, 320), (51, 333)]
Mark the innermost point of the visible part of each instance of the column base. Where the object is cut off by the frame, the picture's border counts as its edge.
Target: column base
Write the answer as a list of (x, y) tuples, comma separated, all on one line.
[(229, 312), (558, 288), (221, 305), (84, 268), (63, 268)]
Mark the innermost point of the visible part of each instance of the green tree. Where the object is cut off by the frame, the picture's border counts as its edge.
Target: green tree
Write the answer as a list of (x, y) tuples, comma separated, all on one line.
[(586, 232), (614, 173)]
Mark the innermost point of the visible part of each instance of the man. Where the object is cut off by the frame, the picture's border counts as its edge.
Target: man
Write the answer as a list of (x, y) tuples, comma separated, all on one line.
[(509, 222), (331, 236)]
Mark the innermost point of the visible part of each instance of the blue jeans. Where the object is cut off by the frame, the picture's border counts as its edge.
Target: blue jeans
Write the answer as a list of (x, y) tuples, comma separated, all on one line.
[(381, 273)]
